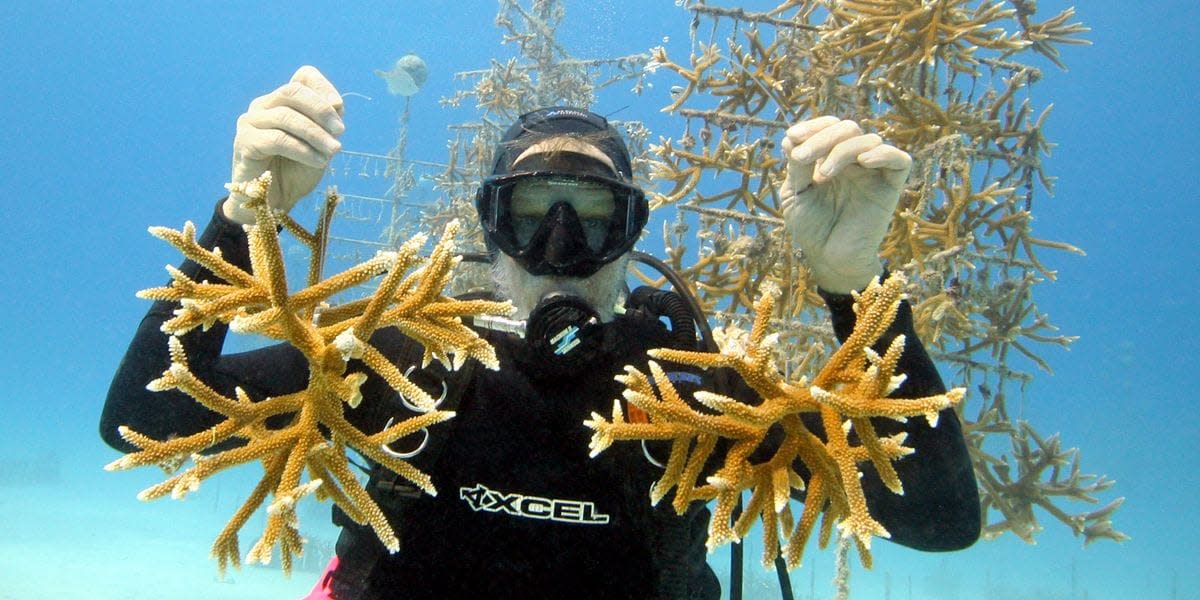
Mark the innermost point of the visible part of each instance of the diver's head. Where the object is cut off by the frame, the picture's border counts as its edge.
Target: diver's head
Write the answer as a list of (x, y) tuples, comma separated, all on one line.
[(560, 201)]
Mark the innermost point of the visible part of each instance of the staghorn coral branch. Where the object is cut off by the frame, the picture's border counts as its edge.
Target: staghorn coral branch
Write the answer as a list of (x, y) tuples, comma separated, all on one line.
[(185, 241), (261, 302), (833, 487)]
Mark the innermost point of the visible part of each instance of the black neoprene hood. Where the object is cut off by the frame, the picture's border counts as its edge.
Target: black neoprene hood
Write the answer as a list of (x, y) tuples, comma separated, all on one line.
[(559, 246), (538, 125)]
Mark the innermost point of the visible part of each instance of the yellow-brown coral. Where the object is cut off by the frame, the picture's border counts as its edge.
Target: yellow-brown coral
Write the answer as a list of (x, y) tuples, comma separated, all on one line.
[(260, 302), (850, 390)]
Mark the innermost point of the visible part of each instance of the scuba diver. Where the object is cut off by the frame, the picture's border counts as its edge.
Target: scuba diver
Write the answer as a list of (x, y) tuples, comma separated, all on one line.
[(523, 511)]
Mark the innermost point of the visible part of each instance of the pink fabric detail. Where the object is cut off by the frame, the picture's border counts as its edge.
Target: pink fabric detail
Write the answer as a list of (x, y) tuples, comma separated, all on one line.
[(324, 588)]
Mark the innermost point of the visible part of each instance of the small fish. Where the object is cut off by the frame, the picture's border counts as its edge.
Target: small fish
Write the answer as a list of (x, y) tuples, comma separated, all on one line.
[(406, 77)]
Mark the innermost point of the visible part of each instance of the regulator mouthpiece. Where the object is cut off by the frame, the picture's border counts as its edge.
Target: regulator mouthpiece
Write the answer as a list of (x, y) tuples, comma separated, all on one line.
[(563, 328)]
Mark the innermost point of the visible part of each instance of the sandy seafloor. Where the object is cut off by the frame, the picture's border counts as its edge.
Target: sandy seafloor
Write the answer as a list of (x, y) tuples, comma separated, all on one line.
[(117, 116)]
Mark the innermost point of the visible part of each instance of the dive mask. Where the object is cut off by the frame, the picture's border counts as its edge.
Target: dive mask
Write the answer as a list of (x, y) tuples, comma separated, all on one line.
[(554, 223)]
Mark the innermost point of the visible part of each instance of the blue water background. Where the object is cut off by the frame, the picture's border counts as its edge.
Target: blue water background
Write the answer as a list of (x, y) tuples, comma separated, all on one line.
[(116, 116)]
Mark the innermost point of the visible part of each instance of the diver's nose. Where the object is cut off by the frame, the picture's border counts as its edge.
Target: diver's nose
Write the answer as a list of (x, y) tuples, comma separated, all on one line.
[(566, 242)]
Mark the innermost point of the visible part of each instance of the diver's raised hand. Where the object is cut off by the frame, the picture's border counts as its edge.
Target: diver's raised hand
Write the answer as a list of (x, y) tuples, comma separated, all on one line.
[(293, 132), (838, 197)]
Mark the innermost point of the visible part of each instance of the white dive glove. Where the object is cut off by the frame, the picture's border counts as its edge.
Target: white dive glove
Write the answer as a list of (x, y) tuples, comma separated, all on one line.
[(293, 132), (841, 189)]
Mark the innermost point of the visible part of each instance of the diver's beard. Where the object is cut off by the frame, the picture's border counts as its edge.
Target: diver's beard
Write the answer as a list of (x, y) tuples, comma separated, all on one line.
[(601, 289)]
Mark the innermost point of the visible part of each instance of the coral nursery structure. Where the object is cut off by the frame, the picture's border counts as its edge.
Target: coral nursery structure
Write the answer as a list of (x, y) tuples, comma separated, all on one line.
[(259, 302), (943, 80)]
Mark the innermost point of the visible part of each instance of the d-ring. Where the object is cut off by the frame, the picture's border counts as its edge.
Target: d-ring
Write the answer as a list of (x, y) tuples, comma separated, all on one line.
[(649, 457), (403, 455), (410, 406)]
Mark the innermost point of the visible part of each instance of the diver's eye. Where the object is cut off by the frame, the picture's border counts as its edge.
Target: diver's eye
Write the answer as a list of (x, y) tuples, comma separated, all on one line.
[(525, 227), (532, 203), (595, 230), (593, 202)]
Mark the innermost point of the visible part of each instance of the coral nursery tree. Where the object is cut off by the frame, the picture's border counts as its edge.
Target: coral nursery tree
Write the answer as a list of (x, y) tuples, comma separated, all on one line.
[(947, 81)]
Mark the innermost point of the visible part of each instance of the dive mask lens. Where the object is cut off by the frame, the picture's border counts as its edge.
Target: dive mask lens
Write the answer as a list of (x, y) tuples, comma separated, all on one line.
[(533, 198), (529, 215)]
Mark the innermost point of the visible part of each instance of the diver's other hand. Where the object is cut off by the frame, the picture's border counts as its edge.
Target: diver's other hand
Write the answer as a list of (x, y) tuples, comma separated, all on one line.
[(293, 132), (838, 197)]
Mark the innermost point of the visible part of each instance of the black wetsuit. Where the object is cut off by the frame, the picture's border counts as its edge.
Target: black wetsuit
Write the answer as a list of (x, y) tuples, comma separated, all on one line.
[(521, 510)]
